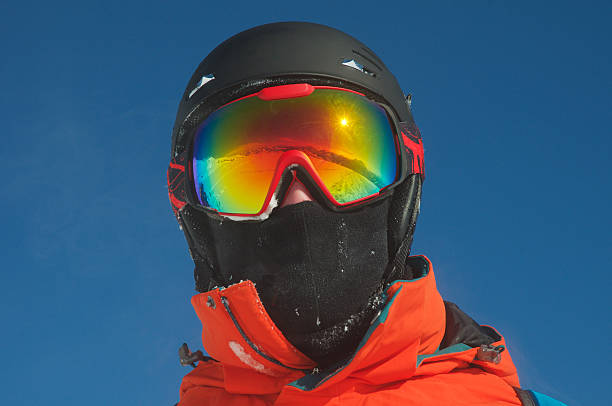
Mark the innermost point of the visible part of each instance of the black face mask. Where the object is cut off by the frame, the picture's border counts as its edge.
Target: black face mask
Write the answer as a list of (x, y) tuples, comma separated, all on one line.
[(318, 273)]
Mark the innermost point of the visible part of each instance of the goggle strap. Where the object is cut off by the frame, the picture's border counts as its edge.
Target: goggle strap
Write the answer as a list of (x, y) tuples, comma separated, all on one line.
[(176, 178), (411, 137)]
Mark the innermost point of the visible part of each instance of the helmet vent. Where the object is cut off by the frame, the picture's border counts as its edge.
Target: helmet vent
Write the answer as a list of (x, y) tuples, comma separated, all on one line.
[(351, 63), (205, 79), (369, 59)]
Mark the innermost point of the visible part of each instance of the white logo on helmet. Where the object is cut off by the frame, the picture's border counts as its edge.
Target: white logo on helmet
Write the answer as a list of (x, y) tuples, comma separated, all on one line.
[(351, 63), (205, 79)]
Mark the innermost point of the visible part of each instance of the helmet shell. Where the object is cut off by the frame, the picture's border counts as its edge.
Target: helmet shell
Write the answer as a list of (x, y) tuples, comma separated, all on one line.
[(282, 53)]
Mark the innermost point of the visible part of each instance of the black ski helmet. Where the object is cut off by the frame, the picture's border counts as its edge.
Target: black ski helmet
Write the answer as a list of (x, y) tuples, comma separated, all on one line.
[(286, 53)]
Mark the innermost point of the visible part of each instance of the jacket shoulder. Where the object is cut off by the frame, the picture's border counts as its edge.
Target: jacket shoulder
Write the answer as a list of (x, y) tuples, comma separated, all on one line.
[(533, 398)]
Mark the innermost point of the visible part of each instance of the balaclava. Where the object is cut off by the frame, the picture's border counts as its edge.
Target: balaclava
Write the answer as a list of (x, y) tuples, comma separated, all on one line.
[(320, 274)]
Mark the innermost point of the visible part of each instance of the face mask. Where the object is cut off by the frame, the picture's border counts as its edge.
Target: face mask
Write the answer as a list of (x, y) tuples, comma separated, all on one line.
[(318, 273)]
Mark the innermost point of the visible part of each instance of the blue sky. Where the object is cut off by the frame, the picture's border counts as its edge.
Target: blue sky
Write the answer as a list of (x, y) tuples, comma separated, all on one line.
[(512, 99)]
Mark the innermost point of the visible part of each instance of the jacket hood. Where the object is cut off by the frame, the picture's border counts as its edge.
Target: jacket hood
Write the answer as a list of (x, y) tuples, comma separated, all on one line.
[(403, 341)]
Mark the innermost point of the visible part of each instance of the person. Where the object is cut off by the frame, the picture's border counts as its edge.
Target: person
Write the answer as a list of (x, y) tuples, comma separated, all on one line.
[(296, 176)]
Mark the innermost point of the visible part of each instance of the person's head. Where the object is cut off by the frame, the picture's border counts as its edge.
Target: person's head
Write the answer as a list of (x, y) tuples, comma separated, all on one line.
[(296, 164)]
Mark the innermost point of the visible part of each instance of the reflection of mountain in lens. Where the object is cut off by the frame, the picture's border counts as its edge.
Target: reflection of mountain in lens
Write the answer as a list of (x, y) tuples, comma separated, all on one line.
[(351, 188), (353, 164), (239, 183), (343, 183), (248, 171)]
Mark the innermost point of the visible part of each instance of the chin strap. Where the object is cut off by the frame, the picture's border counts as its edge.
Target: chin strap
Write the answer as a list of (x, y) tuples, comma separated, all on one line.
[(204, 273), (403, 213), (397, 268), (404, 220)]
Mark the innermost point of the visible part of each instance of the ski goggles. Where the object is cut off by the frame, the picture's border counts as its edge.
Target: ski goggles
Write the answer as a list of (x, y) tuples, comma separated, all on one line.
[(342, 143)]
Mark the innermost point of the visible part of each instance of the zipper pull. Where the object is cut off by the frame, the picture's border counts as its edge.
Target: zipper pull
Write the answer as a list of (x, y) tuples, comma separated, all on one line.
[(490, 353)]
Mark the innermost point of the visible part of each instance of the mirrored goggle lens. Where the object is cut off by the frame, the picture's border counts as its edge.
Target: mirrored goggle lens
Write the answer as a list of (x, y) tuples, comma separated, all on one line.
[(348, 138)]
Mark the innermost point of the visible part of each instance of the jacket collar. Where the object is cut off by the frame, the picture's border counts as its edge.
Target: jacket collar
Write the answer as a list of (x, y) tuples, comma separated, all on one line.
[(402, 341)]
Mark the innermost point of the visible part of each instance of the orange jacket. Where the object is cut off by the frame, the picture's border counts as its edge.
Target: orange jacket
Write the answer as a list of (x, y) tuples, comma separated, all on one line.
[(397, 363)]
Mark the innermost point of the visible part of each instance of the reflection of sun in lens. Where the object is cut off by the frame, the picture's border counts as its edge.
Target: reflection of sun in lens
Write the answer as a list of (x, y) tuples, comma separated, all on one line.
[(344, 121)]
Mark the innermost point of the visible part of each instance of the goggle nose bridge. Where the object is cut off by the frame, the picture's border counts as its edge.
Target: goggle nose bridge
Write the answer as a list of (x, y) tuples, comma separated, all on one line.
[(292, 165)]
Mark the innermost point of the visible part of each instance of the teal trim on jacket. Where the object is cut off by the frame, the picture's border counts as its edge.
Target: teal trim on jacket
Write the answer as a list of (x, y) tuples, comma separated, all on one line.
[(543, 400)]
